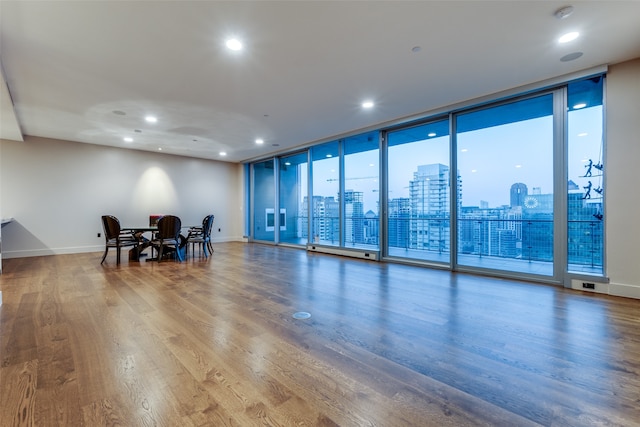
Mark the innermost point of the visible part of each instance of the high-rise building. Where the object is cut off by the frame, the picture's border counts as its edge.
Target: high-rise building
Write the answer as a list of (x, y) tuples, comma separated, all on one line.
[(354, 217), (518, 193), (399, 217), (371, 228), (429, 192)]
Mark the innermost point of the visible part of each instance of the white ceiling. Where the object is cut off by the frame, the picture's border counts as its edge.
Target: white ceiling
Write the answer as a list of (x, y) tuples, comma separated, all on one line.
[(301, 78)]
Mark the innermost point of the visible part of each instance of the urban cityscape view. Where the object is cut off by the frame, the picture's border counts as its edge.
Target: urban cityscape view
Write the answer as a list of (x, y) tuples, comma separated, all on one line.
[(522, 229), (509, 159)]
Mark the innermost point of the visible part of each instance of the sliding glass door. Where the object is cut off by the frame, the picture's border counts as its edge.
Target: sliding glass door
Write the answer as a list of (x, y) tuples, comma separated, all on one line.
[(505, 161), (418, 192), (325, 204), (293, 202), (361, 186), (263, 183)]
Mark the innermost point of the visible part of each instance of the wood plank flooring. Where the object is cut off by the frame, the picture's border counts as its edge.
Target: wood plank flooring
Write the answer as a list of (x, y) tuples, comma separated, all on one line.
[(213, 343)]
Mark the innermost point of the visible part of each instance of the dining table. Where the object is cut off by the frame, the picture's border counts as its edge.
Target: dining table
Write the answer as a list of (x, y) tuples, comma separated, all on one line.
[(139, 232)]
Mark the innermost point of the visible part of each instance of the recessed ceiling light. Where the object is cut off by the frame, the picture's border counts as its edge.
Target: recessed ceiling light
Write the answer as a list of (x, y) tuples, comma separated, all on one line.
[(259, 141), (579, 106), (329, 155), (287, 163), (568, 37), (159, 148), (464, 150), (151, 119), (137, 131), (416, 49), (223, 153), (367, 104), (518, 166), (128, 139), (234, 44), (474, 170), (119, 113), (583, 134), (431, 134)]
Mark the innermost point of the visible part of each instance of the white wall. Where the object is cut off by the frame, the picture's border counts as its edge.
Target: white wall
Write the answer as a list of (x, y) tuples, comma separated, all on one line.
[(622, 174), (57, 191)]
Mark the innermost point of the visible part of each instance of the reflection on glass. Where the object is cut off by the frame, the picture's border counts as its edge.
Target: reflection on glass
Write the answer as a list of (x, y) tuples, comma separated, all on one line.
[(325, 208), (361, 185), (586, 174), (294, 218), (419, 192), (263, 201), (505, 164)]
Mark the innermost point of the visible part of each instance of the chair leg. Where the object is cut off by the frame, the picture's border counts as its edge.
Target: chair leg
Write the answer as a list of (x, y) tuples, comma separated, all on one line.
[(118, 255), (210, 246), (104, 256)]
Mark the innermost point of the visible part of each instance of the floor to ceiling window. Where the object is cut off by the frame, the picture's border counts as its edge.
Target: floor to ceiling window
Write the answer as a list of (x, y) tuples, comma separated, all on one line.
[(585, 166), (325, 204), (418, 192), (263, 190), (506, 166), (361, 186), (490, 196), (293, 200)]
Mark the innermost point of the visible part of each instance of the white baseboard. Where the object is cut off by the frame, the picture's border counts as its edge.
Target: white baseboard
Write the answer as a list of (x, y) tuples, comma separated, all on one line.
[(51, 251), (621, 290), (615, 289), (228, 239), (83, 249)]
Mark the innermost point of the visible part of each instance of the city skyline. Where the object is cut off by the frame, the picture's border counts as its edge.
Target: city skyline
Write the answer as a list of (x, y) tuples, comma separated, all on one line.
[(480, 180)]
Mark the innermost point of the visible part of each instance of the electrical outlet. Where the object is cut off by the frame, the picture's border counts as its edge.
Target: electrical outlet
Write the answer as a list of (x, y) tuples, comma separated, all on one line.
[(219, 230), (588, 285), (99, 234)]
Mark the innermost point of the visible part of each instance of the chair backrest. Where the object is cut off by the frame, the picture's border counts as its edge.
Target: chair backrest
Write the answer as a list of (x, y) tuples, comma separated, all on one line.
[(111, 227), (169, 227), (207, 223), (153, 220)]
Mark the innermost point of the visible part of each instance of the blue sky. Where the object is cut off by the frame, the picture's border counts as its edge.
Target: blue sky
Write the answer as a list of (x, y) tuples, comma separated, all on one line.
[(490, 160)]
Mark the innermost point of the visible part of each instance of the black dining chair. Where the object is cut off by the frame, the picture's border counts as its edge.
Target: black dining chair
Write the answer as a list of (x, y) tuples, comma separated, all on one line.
[(168, 236), (115, 237), (202, 236)]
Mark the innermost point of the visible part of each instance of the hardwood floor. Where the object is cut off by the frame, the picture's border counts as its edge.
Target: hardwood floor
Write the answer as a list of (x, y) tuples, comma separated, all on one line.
[(213, 343)]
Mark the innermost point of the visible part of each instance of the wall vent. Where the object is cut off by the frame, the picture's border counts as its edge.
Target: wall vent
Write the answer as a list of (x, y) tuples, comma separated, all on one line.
[(590, 286)]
